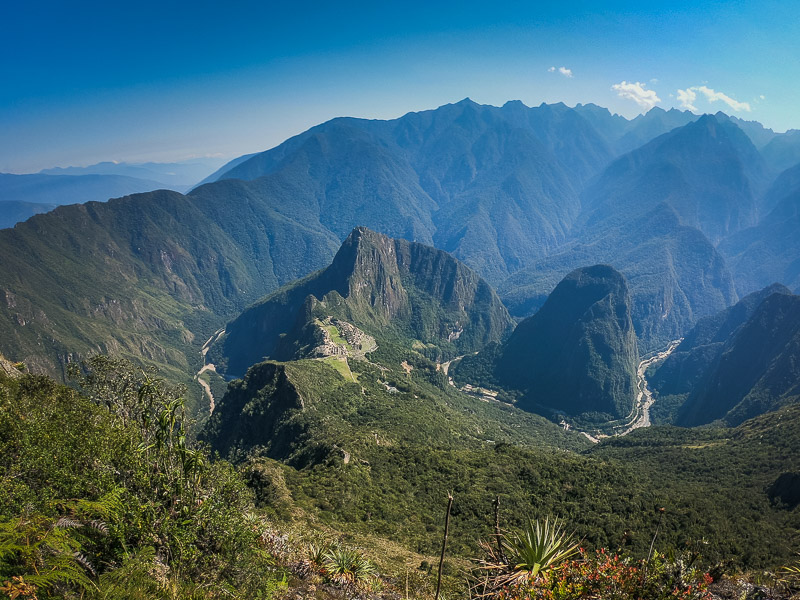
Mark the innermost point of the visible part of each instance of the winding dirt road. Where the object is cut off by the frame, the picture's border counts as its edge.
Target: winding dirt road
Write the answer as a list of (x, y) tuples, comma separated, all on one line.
[(208, 367), (644, 397)]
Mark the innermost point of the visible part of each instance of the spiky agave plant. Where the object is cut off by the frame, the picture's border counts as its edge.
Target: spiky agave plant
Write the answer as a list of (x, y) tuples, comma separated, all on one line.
[(540, 546), (318, 553), (790, 575), (346, 565)]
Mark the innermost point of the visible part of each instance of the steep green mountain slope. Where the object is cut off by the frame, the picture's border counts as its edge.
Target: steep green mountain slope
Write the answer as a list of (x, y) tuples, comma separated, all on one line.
[(577, 355), (96, 497), (366, 460), (770, 251), (757, 370), (391, 289), (305, 411), (116, 508), (700, 349), (147, 276)]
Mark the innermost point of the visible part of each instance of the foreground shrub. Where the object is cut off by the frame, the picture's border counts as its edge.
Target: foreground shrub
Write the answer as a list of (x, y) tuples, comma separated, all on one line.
[(522, 556), (790, 577), (347, 566), (610, 577), (102, 495)]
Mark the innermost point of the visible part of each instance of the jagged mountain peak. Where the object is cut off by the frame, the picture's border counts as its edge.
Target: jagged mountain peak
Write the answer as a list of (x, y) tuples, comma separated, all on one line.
[(380, 286), (708, 171)]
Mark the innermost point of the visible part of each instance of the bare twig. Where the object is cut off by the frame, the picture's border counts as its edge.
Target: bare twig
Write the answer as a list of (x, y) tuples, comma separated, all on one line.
[(498, 536), (444, 543)]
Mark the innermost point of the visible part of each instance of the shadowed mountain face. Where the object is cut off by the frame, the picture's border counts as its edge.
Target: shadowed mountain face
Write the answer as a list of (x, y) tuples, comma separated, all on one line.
[(702, 346), (770, 251), (757, 369), (390, 289), (141, 276), (577, 355)]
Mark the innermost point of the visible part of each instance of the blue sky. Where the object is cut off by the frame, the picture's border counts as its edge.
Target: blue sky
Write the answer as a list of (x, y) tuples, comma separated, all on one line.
[(87, 81)]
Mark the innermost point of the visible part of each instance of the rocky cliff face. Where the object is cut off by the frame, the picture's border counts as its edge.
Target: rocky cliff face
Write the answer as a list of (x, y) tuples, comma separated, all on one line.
[(578, 354), (8, 369), (385, 287), (369, 275)]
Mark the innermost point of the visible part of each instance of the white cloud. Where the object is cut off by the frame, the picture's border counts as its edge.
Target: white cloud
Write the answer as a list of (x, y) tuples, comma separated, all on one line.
[(763, 97), (687, 98), (563, 70), (713, 96), (646, 99)]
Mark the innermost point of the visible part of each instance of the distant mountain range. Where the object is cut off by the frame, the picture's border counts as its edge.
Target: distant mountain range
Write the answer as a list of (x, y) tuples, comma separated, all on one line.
[(691, 213), (22, 196), (179, 176)]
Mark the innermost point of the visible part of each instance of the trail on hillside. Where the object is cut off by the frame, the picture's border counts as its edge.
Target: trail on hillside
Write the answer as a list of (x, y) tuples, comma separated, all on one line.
[(208, 367)]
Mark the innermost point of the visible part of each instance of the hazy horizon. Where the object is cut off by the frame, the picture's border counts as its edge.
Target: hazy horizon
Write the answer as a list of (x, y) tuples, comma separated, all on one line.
[(163, 83)]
